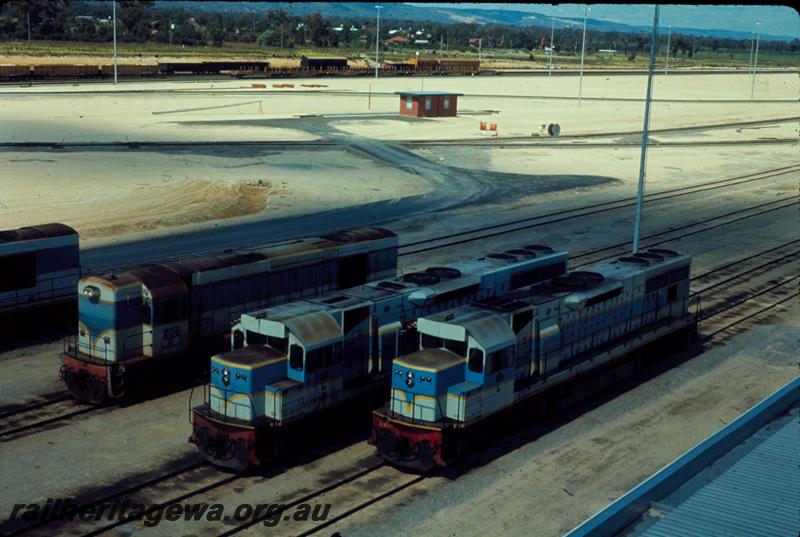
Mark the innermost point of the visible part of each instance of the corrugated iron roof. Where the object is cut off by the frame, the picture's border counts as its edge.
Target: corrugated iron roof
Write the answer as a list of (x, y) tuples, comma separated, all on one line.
[(430, 93), (752, 490)]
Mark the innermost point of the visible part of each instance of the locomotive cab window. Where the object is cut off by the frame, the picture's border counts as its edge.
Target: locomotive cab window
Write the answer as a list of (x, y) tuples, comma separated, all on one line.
[(296, 357), (280, 344), (254, 338), (475, 360), (457, 347), (431, 342), (169, 312)]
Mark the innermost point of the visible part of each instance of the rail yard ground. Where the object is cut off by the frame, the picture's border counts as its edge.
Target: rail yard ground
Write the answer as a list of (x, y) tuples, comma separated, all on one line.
[(334, 150)]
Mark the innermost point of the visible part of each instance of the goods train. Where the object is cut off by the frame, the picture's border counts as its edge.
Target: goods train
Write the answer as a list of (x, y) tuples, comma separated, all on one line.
[(39, 267), (168, 315), (479, 361), (293, 363), (308, 67)]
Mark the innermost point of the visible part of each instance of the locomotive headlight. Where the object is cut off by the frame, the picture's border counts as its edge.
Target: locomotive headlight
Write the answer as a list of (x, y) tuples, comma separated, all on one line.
[(91, 292), (226, 377), (410, 379)]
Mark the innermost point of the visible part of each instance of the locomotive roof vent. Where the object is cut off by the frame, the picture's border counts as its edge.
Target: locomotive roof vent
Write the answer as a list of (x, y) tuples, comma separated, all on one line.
[(421, 278), (586, 276), (522, 252), (655, 257), (565, 283), (503, 256), (635, 261), (394, 286), (539, 248), (663, 252), (445, 273)]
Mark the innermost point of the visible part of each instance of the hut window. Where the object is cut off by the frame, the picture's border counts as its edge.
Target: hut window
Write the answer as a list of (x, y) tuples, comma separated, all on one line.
[(427, 103), (409, 102), (446, 103)]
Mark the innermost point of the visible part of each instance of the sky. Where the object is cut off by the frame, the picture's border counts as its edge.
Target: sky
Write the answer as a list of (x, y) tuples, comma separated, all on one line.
[(774, 19)]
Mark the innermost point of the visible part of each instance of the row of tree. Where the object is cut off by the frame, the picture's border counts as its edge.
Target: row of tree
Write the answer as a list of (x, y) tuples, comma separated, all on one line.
[(141, 21)]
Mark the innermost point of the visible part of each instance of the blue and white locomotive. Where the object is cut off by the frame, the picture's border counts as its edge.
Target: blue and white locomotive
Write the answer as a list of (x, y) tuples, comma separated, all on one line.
[(39, 266), (159, 314), (293, 362), (478, 360)]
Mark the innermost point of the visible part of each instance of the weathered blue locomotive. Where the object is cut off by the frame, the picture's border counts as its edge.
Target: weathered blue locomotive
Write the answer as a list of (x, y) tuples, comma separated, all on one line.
[(39, 266), (293, 362), (159, 314), (479, 360)]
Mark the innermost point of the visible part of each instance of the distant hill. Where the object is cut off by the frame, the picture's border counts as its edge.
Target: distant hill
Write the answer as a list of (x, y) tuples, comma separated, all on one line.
[(441, 14)]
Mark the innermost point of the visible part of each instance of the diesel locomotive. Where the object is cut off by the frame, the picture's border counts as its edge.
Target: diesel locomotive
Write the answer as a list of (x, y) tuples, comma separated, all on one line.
[(172, 315), (39, 268), (293, 363), (484, 359)]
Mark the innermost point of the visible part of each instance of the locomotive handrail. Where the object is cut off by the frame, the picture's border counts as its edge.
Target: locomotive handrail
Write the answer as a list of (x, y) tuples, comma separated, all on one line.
[(226, 402)]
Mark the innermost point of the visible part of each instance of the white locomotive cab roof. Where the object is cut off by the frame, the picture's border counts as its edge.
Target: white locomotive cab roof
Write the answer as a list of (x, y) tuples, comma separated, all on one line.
[(314, 329), (485, 327)]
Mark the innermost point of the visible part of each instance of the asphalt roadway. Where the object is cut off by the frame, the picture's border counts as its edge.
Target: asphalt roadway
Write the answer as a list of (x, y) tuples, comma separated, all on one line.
[(453, 187)]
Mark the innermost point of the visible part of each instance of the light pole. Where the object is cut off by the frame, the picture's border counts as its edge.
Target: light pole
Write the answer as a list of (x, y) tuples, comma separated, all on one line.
[(645, 129), (586, 9), (114, 15), (755, 62), (480, 42), (171, 27), (752, 43), (377, 41), (552, 29), (669, 37)]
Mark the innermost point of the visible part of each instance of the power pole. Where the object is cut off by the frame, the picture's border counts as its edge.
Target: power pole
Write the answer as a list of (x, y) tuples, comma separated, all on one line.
[(755, 63), (479, 49), (29, 27), (586, 9), (114, 15), (552, 30), (645, 130), (377, 41), (669, 36)]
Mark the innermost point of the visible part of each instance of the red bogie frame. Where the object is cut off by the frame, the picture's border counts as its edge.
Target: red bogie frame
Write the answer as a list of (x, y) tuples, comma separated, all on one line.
[(87, 381), (225, 445), (414, 447)]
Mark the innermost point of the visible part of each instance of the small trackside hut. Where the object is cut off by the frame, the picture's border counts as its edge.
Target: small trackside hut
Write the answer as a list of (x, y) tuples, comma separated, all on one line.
[(428, 103)]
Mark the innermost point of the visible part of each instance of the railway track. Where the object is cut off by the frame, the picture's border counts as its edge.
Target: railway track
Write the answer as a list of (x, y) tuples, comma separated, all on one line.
[(347, 494), (662, 237), (39, 416), (512, 226)]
